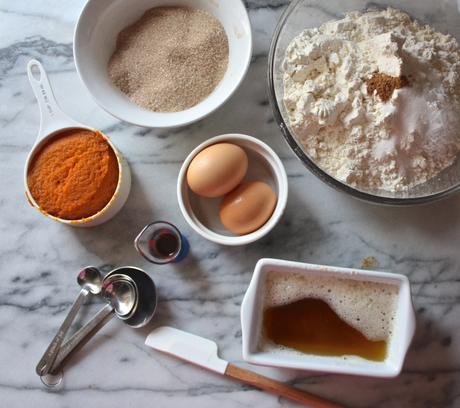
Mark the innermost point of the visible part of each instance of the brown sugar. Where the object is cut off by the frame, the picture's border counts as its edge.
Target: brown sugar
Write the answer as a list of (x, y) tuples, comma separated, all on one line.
[(74, 175), (385, 85), (170, 59)]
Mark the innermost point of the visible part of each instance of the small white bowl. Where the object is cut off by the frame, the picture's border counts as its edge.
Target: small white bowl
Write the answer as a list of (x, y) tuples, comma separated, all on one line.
[(252, 315), (202, 213), (54, 121), (94, 42)]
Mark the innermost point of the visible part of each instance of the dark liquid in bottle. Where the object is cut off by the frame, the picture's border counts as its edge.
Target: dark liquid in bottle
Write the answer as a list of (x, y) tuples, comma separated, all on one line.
[(311, 326), (164, 244)]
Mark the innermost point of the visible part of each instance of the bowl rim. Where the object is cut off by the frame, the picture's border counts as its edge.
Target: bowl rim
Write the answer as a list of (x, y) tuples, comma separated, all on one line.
[(280, 177), (178, 116), (309, 163)]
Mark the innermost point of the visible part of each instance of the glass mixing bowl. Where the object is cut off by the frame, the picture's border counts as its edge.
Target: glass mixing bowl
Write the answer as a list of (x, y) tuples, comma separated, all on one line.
[(444, 16)]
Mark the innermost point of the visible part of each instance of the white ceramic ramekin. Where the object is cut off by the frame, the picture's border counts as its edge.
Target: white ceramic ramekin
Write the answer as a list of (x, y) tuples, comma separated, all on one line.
[(252, 315), (202, 213), (94, 42), (52, 122)]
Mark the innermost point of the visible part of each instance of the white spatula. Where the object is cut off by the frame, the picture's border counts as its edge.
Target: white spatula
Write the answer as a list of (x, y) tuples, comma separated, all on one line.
[(203, 352)]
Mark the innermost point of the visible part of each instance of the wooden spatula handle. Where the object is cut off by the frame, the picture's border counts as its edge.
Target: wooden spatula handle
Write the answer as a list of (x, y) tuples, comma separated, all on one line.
[(278, 388)]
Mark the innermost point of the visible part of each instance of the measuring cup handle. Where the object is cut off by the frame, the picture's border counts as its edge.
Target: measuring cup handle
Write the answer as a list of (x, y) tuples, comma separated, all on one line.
[(51, 116)]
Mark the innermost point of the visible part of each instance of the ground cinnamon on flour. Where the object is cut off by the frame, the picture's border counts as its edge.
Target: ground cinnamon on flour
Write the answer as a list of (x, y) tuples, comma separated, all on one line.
[(385, 85), (170, 59)]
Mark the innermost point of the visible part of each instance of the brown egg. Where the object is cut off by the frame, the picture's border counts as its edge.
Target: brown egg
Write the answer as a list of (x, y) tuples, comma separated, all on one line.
[(248, 207), (217, 170)]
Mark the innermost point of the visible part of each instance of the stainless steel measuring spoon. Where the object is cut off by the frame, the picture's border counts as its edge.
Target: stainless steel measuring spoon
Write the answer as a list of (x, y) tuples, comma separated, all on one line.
[(122, 295), (90, 280), (141, 315)]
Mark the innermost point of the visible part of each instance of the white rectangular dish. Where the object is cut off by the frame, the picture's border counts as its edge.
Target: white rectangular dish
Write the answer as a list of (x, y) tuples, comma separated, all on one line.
[(252, 315)]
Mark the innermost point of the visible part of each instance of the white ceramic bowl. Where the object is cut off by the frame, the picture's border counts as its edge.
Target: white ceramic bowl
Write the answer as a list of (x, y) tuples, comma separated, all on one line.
[(94, 42), (202, 213), (52, 122), (252, 314)]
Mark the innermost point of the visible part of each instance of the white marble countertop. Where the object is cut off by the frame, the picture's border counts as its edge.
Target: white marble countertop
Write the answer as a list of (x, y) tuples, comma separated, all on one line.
[(39, 258)]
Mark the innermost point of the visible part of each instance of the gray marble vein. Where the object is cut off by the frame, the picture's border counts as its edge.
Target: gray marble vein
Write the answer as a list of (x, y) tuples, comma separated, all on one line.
[(39, 259)]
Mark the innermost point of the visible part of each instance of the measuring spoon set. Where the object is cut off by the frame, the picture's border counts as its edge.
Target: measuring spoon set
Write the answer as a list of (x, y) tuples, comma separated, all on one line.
[(130, 295)]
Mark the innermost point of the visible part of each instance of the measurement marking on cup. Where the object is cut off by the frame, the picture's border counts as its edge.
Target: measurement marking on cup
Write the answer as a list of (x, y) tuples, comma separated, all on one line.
[(46, 99)]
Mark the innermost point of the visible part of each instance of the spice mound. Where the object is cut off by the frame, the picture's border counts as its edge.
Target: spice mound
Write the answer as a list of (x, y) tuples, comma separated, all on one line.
[(385, 85), (171, 59), (74, 175)]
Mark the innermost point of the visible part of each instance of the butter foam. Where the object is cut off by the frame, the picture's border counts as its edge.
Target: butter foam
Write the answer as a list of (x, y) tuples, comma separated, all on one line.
[(367, 306)]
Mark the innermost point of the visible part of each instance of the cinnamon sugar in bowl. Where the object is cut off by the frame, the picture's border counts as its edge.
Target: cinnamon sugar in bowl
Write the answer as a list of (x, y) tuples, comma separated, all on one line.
[(95, 41)]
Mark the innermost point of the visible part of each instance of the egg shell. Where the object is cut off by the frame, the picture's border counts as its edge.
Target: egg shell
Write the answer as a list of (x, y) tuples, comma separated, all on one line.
[(217, 170), (247, 207)]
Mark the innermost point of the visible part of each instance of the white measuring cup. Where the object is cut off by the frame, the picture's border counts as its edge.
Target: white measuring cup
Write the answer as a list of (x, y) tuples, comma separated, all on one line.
[(54, 121)]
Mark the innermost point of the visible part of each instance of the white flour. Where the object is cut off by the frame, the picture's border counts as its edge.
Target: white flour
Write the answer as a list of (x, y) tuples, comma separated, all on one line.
[(356, 137)]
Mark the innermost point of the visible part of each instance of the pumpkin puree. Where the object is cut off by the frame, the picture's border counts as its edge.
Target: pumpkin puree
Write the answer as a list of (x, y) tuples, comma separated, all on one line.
[(74, 175)]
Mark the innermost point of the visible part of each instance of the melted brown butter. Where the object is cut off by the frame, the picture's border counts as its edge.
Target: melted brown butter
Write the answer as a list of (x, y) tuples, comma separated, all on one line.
[(311, 326)]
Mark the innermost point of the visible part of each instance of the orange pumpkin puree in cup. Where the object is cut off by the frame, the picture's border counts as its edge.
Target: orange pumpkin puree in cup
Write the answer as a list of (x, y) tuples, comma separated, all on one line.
[(74, 175)]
